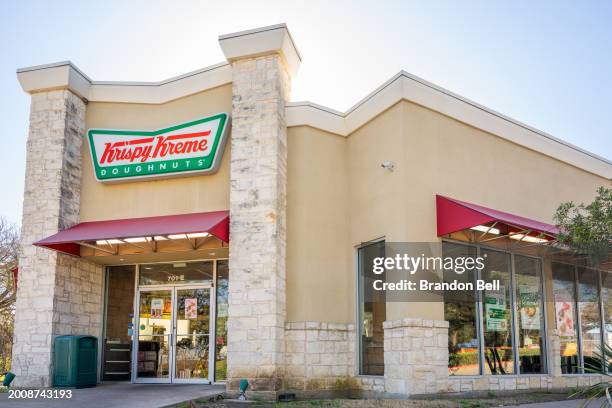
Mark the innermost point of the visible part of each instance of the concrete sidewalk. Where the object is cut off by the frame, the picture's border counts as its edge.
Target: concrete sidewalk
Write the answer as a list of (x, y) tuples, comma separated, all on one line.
[(116, 395)]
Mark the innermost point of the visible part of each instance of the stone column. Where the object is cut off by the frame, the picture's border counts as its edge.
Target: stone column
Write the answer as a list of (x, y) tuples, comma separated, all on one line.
[(320, 358), (57, 294), (256, 325), (416, 356)]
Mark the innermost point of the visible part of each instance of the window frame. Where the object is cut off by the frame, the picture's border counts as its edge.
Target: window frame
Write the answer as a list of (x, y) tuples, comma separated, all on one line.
[(544, 334), (479, 308), (358, 323), (576, 302), (480, 315)]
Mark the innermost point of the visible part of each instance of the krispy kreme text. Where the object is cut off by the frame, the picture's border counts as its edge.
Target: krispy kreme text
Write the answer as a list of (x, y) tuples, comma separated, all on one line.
[(192, 147), (141, 150)]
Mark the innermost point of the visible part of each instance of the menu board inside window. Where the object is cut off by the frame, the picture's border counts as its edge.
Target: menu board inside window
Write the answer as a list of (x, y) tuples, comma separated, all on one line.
[(176, 273)]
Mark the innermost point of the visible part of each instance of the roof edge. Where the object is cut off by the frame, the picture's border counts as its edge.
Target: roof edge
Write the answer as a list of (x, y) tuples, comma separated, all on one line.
[(66, 75), (405, 86), (401, 86)]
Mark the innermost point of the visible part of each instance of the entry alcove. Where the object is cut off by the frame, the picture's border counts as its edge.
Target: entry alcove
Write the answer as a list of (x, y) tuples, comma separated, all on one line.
[(165, 321)]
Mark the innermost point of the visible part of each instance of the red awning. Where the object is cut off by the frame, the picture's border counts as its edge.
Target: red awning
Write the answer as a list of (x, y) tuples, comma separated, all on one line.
[(215, 223), (454, 215)]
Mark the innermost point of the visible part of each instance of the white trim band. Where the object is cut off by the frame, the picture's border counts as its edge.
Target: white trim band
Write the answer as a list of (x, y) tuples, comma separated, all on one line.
[(405, 86), (65, 75)]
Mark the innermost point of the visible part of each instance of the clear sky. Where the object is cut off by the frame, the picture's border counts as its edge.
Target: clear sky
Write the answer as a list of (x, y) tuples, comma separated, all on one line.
[(545, 63)]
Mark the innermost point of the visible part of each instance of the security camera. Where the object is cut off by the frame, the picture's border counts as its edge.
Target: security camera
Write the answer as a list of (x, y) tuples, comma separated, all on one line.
[(388, 164)]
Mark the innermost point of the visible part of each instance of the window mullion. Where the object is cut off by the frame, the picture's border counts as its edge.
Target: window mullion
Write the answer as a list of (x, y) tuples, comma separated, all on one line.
[(480, 319), (578, 320), (544, 319), (602, 321), (359, 326), (514, 328)]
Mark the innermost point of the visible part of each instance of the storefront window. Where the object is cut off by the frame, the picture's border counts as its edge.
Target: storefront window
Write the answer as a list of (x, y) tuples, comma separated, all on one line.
[(564, 283), (496, 310), (606, 298), (497, 322), (221, 322), (530, 311), (176, 273), (512, 318), (460, 312), (590, 320), (372, 314)]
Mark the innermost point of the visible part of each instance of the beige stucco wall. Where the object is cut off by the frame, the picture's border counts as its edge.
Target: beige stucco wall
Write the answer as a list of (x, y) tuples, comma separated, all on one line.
[(161, 197), (338, 195), (319, 276), (433, 154), (462, 162)]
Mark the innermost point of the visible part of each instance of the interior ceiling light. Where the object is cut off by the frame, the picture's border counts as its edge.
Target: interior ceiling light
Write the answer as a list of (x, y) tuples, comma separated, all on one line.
[(177, 236), (198, 235), (109, 242), (484, 228), (136, 239), (528, 238)]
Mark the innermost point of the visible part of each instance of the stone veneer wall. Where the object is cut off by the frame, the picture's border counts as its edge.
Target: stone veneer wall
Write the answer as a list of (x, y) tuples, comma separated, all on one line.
[(416, 356), (258, 178), (319, 357), (78, 297), (520, 382), (57, 294)]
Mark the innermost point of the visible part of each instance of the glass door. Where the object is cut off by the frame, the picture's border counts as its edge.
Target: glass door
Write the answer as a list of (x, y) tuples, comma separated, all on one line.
[(192, 344), (153, 348), (173, 335)]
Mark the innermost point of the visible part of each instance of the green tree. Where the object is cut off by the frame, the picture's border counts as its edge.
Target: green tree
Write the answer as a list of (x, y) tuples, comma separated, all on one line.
[(587, 228)]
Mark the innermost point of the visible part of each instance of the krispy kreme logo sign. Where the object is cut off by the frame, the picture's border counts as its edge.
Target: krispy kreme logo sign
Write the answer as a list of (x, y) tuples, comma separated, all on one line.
[(194, 147)]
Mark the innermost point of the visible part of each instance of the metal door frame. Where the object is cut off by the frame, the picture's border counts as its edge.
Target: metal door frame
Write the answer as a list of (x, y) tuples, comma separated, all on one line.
[(211, 334), (136, 335), (172, 378)]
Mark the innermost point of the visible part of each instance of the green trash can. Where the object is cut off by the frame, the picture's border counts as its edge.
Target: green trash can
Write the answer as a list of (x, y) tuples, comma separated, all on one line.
[(75, 361)]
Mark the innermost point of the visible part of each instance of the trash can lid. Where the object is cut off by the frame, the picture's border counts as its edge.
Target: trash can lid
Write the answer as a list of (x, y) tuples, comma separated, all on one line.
[(76, 336)]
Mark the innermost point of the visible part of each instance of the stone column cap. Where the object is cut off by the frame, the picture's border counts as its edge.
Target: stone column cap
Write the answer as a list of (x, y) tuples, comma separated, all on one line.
[(58, 75), (261, 41)]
